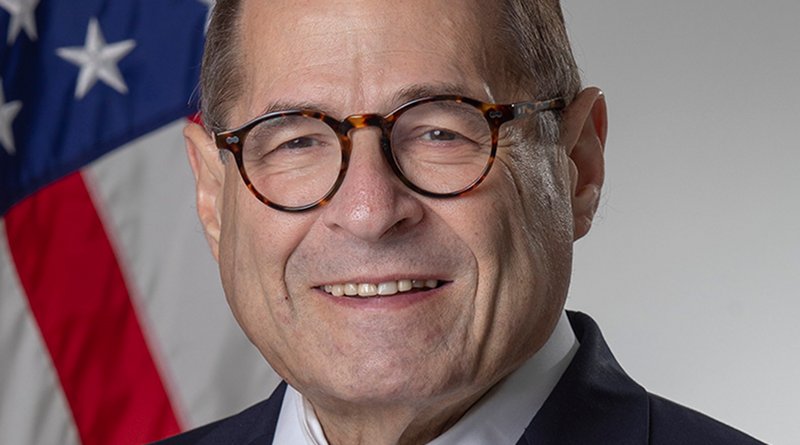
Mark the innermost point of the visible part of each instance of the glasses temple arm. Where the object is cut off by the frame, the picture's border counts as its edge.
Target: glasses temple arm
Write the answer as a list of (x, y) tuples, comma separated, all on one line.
[(531, 108)]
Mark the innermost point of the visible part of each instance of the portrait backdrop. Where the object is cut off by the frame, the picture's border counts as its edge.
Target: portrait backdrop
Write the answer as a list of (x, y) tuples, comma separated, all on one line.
[(692, 268)]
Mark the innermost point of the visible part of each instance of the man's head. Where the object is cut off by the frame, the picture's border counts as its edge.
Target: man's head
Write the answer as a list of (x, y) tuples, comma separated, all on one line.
[(499, 256), (527, 38)]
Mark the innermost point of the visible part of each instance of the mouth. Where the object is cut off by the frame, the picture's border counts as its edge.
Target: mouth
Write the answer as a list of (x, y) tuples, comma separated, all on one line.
[(383, 289)]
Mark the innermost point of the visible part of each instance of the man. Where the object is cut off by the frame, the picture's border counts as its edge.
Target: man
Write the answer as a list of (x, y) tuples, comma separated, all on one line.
[(392, 190)]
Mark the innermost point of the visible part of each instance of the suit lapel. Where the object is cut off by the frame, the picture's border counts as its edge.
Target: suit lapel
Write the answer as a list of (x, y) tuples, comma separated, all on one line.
[(594, 402), (264, 431)]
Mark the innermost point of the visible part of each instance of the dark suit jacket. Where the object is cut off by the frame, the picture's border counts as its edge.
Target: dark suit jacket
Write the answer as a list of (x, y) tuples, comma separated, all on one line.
[(595, 402)]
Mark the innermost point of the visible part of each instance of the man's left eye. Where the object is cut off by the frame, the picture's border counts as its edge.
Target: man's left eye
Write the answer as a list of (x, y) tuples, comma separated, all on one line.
[(440, 135)]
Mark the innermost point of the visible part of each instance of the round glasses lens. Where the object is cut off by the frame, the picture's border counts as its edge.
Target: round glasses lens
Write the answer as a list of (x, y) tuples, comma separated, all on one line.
[(443, 146), (293, 161)]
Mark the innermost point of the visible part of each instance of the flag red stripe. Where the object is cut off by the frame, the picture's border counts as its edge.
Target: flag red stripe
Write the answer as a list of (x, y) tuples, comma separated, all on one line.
[(81, 304)]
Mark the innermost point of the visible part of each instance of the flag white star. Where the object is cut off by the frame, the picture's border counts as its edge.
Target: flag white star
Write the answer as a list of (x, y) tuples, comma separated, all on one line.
[(97, 60), (210, 4), (22, 17), (8, 112)]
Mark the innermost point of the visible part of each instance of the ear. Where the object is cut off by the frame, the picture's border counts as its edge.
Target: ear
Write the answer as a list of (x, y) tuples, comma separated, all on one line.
[(209, 176), (583, 135)]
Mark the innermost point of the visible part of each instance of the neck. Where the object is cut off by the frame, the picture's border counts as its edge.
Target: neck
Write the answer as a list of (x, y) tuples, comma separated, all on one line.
[(390, 425)]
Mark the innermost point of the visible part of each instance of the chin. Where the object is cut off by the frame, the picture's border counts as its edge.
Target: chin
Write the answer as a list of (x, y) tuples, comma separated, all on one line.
[(377, 386)]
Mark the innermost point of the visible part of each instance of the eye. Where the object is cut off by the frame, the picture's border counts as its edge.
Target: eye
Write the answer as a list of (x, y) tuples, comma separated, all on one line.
[(299, 143), (440, 135)]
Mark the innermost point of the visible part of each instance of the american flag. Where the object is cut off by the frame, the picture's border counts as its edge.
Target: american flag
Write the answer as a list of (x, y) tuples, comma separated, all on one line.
[(113, 325)]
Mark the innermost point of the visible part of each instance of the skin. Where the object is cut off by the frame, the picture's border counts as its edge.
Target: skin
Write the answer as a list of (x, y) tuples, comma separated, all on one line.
[(396, 369)]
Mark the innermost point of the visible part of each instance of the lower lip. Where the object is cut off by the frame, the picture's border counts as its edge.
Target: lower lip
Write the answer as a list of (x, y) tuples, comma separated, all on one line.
[(386, 302)]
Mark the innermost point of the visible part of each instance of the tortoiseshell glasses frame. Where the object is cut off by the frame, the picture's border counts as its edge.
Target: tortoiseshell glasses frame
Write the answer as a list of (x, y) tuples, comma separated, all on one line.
[(495, 115)]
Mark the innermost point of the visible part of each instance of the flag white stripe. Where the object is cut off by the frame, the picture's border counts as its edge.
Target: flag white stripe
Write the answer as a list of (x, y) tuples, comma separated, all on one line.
[(145, 194), (33, 409)]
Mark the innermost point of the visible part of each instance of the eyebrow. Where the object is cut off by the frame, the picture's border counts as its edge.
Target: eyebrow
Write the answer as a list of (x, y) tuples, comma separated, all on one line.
[(412, 92), (405, 94), (284, 105)]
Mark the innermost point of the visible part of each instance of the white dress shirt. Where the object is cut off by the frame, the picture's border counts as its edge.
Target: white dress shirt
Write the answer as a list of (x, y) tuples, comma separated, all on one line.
[(499, 417)]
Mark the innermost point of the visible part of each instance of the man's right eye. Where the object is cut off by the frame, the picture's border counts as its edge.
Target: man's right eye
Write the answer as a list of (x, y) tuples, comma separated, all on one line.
[(298, 143)]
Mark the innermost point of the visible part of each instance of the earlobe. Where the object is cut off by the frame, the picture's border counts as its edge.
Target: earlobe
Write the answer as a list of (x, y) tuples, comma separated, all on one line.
[(584, 129), (209, 174)]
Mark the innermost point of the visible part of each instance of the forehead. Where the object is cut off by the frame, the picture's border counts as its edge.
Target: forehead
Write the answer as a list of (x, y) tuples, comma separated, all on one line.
[(353, 56)]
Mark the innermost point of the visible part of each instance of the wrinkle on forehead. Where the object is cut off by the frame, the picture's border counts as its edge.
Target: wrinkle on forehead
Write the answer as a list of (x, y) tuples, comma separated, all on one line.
[(348, 51)]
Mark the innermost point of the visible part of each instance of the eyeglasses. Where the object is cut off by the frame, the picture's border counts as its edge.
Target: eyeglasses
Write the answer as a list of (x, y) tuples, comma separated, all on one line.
[(438, 146)]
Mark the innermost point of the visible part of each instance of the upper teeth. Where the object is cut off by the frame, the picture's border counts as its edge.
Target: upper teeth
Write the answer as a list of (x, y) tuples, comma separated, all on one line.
[(372, 289)]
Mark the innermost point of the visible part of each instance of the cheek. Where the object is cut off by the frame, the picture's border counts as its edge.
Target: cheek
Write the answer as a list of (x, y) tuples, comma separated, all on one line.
[(526, 253), (255, 243), (545, 217)]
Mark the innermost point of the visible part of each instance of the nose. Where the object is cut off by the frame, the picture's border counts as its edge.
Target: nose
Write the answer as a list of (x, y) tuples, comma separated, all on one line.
[(371, 203)]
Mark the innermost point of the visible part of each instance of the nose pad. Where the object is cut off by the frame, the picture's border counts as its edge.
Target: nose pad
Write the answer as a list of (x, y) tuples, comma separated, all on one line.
[(371, 201)]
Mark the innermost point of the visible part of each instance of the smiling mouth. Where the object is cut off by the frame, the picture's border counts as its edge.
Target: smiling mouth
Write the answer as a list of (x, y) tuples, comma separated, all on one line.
[(385, 289)]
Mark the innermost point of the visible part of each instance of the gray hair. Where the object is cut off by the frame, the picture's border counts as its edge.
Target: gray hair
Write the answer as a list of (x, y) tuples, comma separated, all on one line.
[(541, 56)]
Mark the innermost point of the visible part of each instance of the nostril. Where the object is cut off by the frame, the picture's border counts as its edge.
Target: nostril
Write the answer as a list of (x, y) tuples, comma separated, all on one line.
[(372, 211)]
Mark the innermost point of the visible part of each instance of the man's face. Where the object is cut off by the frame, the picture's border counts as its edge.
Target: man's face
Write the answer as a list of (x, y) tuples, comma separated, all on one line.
[(500, 255)]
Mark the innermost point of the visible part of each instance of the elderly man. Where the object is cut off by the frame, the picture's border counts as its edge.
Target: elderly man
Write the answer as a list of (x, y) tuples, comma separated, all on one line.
[(392, 190)]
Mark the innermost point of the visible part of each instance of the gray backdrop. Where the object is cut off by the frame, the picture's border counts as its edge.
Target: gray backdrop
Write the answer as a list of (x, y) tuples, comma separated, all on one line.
[(692, 268)]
